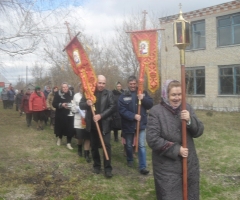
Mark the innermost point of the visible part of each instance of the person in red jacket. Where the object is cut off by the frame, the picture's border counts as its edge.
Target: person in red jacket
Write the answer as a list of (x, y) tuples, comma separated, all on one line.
[(37, 104)]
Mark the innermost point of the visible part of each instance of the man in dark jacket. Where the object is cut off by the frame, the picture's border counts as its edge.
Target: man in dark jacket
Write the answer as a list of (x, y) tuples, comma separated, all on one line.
[(128, 108), (105, 107)]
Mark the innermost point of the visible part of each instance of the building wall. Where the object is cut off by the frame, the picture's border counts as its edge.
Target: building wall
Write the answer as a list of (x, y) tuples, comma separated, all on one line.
[(211, 58)]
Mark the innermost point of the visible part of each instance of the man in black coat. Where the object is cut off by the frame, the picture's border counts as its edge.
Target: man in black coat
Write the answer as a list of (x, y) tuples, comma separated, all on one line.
[(105, 107)]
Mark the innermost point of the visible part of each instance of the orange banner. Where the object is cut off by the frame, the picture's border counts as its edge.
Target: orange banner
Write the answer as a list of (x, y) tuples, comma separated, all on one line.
[(145, 45), (82, 67)]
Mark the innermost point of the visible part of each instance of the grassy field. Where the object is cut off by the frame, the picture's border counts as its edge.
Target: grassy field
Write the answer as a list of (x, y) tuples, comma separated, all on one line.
[(32, 166)]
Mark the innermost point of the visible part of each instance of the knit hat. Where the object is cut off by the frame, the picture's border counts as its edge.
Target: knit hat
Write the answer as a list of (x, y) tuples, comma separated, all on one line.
[(37, 88)]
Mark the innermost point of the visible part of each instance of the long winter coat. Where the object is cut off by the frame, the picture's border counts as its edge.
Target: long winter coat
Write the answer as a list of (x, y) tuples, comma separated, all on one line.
[(116, 123), (25, 103), (63, 122), (37, 103), (19, 99), (164, 138)]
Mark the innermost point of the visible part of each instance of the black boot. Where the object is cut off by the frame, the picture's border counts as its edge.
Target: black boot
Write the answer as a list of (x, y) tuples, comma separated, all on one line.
[(80, 150), (86, 155)]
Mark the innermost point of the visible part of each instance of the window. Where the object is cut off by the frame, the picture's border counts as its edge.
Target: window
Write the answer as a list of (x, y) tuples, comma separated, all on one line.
[(195, 81), (198, 35), (229, 80), (228, 29)]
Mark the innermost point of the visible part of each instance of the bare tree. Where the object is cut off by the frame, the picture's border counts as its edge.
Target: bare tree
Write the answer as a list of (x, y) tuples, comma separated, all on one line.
[(26, 23)]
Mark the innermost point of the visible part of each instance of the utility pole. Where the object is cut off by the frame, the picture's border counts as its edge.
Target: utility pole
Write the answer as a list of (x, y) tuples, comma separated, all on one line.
[(26, 75)]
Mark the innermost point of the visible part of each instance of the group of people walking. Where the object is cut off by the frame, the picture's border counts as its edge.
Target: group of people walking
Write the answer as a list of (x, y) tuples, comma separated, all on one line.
[(160, 126), (8, 97)]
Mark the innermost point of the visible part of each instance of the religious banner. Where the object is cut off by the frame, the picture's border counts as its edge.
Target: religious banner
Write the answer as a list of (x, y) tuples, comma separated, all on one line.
[(82, 67), (145, 45)]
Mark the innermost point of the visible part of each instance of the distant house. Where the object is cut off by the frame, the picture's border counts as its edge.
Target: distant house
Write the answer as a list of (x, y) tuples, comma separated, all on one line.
[(30, 86), (212, 59)]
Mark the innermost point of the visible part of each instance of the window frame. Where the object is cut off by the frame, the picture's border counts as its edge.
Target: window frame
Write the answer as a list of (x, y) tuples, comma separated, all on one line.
[(234, 77), (194, 69), (232, 27), (192, 45)]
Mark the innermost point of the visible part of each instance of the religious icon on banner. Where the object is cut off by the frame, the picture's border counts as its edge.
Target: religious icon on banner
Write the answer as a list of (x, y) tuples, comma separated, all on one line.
[(76, 57), (143, 47)]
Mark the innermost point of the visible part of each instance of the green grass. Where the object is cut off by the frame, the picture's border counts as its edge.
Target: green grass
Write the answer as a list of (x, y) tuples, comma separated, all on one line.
[(35, 167)]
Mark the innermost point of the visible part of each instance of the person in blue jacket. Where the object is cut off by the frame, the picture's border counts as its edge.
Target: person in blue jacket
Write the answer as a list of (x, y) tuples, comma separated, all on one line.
[(11, 97), (128, 109)]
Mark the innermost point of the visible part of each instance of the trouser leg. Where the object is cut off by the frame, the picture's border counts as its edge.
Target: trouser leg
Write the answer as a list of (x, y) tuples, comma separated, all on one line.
[(142, 150), (129, 146), (107, 163), (95, 152)]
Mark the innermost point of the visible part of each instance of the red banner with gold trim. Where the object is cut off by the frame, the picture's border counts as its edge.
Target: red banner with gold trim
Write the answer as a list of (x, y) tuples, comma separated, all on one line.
[(145, 45), (82, 67)]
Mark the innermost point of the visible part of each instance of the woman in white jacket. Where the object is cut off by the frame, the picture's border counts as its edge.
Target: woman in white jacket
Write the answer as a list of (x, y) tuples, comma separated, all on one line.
[(82, 135)]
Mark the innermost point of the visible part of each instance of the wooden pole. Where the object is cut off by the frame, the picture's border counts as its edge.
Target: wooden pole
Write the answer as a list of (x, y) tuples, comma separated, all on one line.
[(138, 126), (100, 135), (184, 126), (139, 101)]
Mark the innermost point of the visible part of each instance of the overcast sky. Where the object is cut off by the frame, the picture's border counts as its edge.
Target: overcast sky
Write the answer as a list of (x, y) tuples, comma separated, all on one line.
[(98, 17)]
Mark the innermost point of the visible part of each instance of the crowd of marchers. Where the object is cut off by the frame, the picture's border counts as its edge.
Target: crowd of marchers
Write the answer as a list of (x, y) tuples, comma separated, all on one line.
[(72, 115)]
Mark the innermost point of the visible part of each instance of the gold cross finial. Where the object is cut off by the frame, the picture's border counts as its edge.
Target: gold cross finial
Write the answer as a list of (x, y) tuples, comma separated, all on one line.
[(144, 19), (69, 33), (180, 6), (145, 12)]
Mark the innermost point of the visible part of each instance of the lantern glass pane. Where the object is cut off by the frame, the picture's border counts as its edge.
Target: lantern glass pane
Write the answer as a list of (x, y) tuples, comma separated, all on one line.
[(179, 32)]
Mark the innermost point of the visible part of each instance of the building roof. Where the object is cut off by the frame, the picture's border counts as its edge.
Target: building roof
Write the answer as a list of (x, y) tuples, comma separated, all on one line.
[(232, 5), (3, 79)]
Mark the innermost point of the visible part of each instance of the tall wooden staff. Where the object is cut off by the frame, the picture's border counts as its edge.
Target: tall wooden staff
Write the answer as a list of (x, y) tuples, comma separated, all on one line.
[(182, 39), (140, 88), (82, 68)]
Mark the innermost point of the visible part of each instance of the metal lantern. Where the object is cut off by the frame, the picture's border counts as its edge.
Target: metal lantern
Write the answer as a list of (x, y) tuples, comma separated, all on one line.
[(181, 32)]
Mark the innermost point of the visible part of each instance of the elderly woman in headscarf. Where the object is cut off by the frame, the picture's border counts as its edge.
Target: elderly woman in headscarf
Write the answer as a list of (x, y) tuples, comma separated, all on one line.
[(63, 121), (164, 137), (116, 124)]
